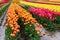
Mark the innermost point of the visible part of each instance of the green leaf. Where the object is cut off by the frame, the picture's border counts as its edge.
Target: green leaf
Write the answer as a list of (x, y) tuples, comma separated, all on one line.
[(8, 32)]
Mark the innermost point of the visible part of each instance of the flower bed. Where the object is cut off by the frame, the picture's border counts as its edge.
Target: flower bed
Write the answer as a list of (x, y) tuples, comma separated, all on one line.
[(4, 1), (30, 23), (18, 20)]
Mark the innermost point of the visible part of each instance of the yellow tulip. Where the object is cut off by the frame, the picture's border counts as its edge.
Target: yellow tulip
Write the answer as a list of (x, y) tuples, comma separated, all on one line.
[(48, 6), (16, 1)]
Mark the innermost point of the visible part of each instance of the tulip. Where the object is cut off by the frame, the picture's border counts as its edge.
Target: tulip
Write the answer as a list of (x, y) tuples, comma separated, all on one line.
[(40, 5), (44, 12), (12, 19)]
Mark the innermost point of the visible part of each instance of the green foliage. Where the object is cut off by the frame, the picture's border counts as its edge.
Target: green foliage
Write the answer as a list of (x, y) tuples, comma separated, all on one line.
[(50, 25), (28, 31), (2, 5), (4, 9), (8, 32)]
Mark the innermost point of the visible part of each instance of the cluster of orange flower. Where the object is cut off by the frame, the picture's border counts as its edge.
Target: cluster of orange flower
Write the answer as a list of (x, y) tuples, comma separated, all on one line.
[(27, 16), (12, 19)]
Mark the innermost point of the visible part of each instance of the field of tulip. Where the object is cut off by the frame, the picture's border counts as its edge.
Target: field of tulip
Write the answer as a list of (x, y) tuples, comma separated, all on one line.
[(15, 14), (29, 20)]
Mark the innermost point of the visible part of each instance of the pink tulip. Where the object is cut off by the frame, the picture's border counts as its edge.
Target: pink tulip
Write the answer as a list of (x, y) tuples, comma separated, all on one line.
[(44, 13)]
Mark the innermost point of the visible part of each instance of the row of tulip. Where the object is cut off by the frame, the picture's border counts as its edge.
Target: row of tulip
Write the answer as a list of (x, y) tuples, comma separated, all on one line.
[(12, 19), (27, 17), (3, 8), (44, 13), (48, 6), (14, 13)]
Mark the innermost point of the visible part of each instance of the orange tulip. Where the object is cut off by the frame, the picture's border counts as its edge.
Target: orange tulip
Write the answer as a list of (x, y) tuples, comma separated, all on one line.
[(12, 35), (12, 19), (12, 28), (18, 30)]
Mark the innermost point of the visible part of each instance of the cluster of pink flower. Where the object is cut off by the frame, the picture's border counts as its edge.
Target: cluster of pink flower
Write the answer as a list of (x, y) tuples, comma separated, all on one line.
[(4, 1), (44, 12)]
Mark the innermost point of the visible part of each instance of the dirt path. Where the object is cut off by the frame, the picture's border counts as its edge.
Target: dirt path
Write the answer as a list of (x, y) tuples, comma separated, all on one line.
[(2, 27), (52, 36)]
